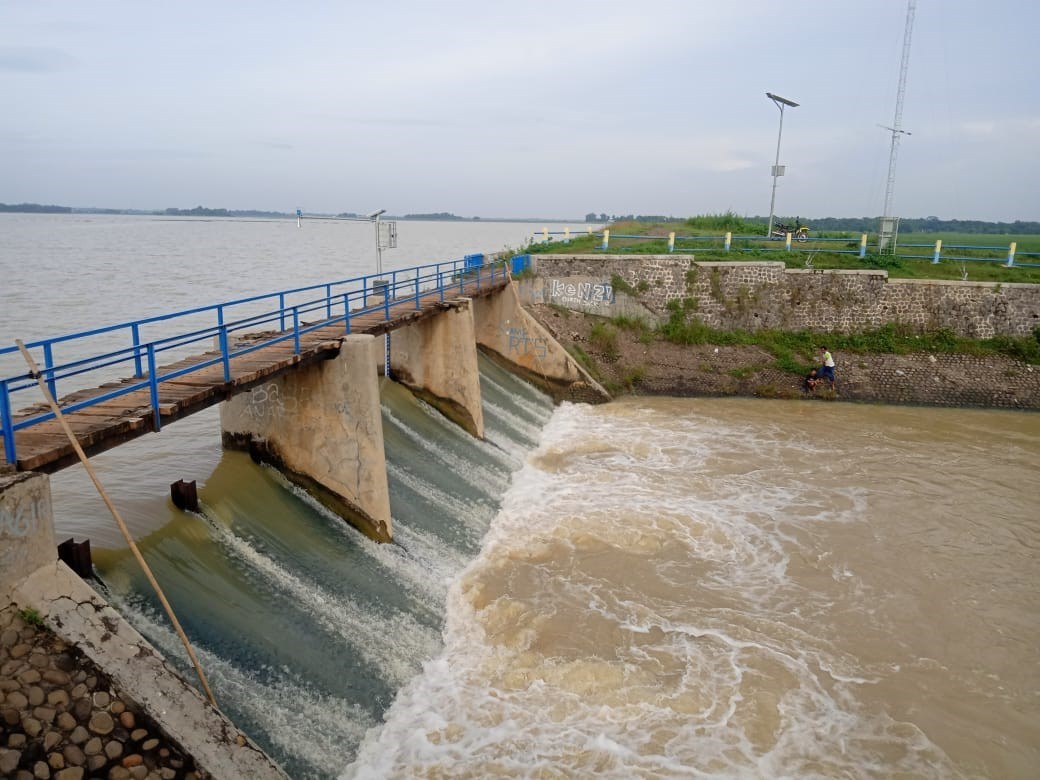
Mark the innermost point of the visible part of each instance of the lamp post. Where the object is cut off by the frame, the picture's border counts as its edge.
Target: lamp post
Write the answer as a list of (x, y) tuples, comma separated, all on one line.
[(374, 216), (777, 168)]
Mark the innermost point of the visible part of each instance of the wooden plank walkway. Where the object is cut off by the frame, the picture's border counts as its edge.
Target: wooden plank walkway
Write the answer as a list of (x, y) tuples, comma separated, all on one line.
[(44, 447)]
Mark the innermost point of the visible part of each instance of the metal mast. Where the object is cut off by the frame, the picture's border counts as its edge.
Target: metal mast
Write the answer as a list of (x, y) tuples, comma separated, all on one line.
[(887, 231), (778, 169)]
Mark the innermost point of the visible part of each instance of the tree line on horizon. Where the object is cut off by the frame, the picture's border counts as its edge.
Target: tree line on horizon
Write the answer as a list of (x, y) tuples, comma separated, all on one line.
[(929, 224)]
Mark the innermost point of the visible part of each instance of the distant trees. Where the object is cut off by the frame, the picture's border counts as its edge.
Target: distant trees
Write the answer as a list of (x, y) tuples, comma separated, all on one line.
[(198, 211), (440, 215), (34, 208), (591, 217), (727, 221)]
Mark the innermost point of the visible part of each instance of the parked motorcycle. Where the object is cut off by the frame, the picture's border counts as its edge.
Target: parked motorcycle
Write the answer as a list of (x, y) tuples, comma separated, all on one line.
[(780, 231)]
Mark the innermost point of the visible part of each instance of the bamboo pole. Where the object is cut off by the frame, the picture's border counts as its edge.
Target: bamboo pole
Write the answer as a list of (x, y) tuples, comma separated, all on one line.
[(118, 518)]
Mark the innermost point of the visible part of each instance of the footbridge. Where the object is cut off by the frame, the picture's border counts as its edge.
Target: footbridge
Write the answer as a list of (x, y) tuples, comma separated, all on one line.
[(296, 373)]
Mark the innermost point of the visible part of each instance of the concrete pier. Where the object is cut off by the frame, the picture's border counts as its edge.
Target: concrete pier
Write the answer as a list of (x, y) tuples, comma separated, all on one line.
[(323, 428), (513, 338), (436, 359)]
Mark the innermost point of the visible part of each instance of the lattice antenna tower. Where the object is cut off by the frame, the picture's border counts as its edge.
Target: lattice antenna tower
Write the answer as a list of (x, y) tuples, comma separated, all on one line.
[(887, 232)]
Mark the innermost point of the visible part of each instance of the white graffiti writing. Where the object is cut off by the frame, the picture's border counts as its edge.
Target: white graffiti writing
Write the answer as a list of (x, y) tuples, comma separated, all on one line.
[(582, 292), (522, 343), (270, 401), (19, 521)]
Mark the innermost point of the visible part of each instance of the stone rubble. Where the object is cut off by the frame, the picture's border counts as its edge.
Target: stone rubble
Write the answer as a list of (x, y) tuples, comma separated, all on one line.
[(61, 719)]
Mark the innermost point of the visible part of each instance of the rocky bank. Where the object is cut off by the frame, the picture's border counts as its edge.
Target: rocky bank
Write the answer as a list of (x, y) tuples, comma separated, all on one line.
[(61, 718), (627, 365)]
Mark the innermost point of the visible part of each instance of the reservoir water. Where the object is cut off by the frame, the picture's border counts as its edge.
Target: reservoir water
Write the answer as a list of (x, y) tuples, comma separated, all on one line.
[(650, 588)]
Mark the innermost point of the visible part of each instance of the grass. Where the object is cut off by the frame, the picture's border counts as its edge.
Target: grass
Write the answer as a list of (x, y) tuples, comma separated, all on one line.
[(840, 251), (31, 617), (796, 351), (603, 336)]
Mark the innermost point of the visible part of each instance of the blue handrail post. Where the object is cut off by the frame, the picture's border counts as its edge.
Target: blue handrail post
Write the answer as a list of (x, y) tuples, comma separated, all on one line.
[(296, 329), (938, 251), (417, 307), (281, 311), (328, 301), (48, 364), (440, 282), (153, 388), (478, 277), (346, 311), (386, 305), (7, 424), (1011, 253), (226, 358), (135, 331), (462, 281), (863, 245)]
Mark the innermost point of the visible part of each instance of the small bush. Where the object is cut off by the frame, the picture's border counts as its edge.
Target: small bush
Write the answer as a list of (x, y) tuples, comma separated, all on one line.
[(727, 222), (633, 324), (633, 376), (620, 285), (604, 337)]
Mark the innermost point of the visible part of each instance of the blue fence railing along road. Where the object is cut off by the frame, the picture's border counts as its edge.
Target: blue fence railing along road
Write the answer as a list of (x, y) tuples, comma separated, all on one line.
[(134, 349)]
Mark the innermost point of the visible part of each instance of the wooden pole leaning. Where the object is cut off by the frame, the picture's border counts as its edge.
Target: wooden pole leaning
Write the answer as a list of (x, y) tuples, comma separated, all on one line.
[(118, 518)]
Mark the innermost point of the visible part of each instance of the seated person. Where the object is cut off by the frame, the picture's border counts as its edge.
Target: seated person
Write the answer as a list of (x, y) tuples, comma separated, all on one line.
[(811, 380)]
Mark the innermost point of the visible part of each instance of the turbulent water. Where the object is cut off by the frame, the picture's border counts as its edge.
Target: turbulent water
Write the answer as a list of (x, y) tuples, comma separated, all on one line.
[(743, 589), (650, 588)]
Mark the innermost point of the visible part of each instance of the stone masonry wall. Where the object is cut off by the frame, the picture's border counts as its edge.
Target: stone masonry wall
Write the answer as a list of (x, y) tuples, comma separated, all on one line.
[(758, 295)]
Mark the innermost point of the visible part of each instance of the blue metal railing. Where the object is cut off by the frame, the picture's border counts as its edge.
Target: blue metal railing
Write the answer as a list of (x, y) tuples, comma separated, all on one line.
[(327, 304), (1007, 255)]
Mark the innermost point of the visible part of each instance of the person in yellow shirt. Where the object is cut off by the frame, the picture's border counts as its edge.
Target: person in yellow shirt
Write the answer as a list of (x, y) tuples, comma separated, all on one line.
[(827, 369)]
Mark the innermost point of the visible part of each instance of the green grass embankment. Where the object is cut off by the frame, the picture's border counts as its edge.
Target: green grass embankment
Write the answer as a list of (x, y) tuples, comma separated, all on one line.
[(985, 261)]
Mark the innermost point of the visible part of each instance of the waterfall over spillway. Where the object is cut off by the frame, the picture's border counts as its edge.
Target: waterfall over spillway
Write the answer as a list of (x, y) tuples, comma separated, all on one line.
[(305, 627)]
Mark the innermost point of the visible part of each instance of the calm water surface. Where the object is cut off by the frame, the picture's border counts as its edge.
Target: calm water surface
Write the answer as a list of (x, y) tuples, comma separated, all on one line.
[(651, 588)]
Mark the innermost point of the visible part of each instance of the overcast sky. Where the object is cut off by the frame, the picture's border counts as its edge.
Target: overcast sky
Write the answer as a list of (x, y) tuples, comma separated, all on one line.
[(524, 109)]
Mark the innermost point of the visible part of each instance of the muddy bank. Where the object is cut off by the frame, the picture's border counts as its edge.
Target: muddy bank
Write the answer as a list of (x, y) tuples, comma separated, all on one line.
[(627, 365)]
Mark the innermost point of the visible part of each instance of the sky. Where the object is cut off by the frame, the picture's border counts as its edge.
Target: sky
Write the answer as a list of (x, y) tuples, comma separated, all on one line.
[(521, 109)]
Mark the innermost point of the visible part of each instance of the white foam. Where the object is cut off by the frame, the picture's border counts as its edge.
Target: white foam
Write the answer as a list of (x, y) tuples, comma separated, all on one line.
[(390, 641), (698, 657), (312, 727), (475, 475)]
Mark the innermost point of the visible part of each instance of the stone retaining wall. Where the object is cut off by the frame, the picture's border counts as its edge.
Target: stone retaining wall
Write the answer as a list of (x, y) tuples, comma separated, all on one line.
[(759, 295)]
